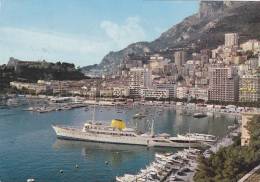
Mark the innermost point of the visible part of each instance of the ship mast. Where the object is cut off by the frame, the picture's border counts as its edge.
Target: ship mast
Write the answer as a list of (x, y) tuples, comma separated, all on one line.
[(189, 135), (93, 114), (152, 127), (94, 109)]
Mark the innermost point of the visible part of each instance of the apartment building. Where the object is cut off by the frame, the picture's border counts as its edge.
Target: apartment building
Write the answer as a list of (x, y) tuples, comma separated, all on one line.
[(223, 84), (249, 88)]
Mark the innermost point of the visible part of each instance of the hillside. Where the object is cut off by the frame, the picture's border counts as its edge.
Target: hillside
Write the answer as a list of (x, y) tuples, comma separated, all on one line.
[(204, 29), (32, 71)]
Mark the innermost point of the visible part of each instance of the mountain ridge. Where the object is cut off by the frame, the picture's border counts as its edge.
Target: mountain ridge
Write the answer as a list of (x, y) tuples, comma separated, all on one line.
[(204, 29)]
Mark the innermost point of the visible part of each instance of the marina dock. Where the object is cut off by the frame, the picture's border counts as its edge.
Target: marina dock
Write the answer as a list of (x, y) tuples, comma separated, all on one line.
[(180, 166), (166, 167)]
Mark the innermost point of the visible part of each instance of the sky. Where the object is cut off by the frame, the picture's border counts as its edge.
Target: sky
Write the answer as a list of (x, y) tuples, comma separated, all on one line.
[(83, 31)]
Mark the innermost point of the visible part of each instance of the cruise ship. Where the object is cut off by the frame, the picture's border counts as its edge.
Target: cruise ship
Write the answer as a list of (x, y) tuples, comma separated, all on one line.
[(118, 133)]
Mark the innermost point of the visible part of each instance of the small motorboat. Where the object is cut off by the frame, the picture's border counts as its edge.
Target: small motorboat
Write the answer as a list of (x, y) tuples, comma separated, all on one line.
[(199, 115), (31, 180), (139, 116)]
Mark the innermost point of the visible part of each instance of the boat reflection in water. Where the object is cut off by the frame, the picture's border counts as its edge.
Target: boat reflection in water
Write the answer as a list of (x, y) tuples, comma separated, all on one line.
[(113, 154)]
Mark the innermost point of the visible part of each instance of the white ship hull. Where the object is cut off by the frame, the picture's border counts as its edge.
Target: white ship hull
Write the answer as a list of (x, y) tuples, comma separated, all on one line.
[(78, 134)]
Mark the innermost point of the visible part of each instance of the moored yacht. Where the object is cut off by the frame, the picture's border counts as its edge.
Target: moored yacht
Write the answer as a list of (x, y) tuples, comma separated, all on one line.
[(198, 137), (118, 133), (165, 167), (199, 115), (139, 116)]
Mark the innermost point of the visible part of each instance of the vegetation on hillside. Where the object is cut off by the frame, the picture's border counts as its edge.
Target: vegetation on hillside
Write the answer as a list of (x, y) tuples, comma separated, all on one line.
[(6, 75), (229, 164), (50, 71), (38, 71)]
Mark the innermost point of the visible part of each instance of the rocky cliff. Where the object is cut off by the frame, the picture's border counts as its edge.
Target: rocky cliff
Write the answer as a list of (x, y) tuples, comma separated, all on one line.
[(204, 29)]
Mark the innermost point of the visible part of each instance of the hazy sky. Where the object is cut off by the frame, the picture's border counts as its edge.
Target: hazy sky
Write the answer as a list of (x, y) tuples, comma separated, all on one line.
[(82, 31)]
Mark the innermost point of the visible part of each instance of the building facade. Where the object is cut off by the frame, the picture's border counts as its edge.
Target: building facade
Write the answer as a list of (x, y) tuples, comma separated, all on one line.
[(180, 58), (31, 87), (121, 91), (154, 93), (249, 88), (182, 92), (231, 39), (139, 78), (199, 93), (251, 45), (167, 86), (223, 84), (106, 92)]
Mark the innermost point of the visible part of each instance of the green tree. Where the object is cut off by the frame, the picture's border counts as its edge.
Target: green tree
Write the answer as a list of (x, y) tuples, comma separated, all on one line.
[(231, 163)]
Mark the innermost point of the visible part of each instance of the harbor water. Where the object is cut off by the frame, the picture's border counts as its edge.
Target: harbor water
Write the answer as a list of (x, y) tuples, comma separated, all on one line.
[(29, 148)]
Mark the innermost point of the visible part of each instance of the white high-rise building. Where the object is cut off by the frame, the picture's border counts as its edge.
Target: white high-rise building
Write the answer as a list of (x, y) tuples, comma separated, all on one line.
[(182, 92), (139, 78), (167, 86), (231, 39)]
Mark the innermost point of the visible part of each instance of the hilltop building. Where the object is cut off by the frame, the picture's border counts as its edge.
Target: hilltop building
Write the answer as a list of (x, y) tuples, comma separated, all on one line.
[(251, 45), (231, 39), (180, 58)]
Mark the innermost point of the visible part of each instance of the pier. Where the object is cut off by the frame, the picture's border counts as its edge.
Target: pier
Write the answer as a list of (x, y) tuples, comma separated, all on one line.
[(166, 167), (179, 166)]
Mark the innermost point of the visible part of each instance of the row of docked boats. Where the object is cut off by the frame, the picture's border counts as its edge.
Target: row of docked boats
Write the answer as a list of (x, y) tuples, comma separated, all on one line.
[(12, 102), (166, 166), (56, 107)]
